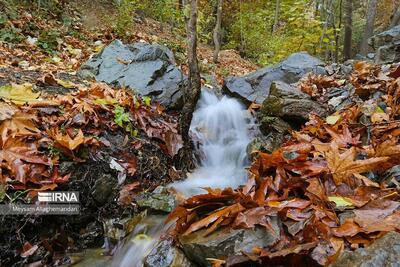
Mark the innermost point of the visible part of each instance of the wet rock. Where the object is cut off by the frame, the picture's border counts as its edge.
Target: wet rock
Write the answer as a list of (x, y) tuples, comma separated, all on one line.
[(273, 124), (90, 257), (387, 46), (392, 176), (257, 144), (103, 188), (384, 252), (160, 200), (341, 69), (290, 104), (165, 254), (255, 86), (148, 69), (224, 243), (116, 229), (266, 144), (274, 129)]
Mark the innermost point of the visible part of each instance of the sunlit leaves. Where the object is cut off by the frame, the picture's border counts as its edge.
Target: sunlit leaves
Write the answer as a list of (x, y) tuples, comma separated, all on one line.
[(18, 94)]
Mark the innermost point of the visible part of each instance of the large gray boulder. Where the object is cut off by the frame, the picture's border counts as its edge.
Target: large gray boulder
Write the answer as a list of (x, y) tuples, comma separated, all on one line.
[(148, 69), (290, 104), (387, 46), (255, 86), (384, 252), (223, 243)]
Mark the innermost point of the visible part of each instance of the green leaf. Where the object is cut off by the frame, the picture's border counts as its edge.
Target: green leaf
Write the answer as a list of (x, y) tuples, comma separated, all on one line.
[(147, 100), (379, 110), (120, 116)]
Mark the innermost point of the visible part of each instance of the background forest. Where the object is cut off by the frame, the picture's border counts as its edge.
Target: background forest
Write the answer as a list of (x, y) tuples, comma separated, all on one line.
[(264, 31)]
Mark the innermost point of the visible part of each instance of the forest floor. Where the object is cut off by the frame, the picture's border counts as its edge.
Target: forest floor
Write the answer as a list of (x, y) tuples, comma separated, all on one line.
[(39, 122), (61, 132)]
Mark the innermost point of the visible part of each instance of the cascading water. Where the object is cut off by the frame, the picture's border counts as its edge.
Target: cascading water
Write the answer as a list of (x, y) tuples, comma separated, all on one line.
[(221, 127)]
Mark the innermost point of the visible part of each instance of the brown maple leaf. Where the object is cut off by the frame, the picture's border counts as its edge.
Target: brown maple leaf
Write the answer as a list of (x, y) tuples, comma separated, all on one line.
[(66, 141), (19, 124), (22, 159), (222, 213), (345, 138), (343, 165)]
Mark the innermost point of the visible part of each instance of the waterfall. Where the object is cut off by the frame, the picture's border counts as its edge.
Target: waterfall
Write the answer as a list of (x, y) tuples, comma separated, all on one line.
[(220, 129)]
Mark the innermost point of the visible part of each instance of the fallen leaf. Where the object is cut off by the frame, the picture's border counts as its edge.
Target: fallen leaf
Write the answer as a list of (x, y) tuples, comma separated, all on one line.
[(66, 84), (18, 94), (65, 140), (341, 202), (23, 159), (6, 111), (20, 124), (29, 250), (333, 119), (235, 208), (342, 165)]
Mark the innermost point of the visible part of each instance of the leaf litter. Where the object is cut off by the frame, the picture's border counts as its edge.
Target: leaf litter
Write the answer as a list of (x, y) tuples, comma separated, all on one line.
[(327, 170), (33, 136)]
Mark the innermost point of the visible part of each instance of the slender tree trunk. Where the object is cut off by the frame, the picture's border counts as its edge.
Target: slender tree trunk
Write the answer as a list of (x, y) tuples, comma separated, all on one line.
[(395, 19), (316, 12), (277, 14), (369, 26), (337, 39), (348, 28), (181, 4), (217, 31), (191, 92)]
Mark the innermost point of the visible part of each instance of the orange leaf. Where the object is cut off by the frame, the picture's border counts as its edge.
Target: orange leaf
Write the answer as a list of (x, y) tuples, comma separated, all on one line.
[(235, 208)]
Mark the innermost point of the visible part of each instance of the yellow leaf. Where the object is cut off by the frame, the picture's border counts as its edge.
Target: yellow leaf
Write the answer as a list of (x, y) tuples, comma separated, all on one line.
[(333, 119), (19, 93), (66, 84), (379, 117), (341, 202), (103, 101)]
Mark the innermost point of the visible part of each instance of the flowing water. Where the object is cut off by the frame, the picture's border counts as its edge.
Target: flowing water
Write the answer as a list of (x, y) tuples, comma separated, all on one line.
[(220, 127)]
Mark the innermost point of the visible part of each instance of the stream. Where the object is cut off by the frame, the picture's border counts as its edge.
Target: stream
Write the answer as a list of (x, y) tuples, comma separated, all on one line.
[(220, 128)]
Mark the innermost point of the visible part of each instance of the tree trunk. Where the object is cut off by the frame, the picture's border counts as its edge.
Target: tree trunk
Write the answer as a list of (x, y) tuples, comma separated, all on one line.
[(180, 4), (276, 18), (348, 28), (369, 26), (395, 19), (217, 32), (337, 39), (191, 92)]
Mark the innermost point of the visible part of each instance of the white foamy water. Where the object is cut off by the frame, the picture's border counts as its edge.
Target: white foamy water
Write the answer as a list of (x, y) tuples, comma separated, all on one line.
[(140, 242), (221, 127)]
